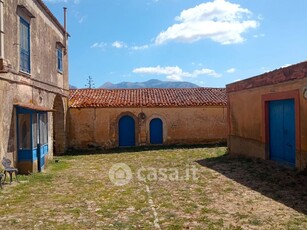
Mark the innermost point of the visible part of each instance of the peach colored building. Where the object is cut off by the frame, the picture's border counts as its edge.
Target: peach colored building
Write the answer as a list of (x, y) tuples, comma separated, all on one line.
[(267, 116), (138, 117)]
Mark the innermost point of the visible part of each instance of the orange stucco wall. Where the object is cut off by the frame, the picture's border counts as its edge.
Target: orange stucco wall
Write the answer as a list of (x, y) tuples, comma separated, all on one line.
[(99, 127), (247, 122)]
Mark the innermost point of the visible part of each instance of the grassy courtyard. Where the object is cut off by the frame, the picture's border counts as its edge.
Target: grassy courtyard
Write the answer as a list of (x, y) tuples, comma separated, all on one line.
[(227, 193)]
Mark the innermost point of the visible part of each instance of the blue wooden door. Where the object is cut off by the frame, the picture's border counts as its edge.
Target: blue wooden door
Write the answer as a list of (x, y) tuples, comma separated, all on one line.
[(282, 131), (42, 143), (42, 152), (156, 131), (32, 137), (40, 158), (126, 131)]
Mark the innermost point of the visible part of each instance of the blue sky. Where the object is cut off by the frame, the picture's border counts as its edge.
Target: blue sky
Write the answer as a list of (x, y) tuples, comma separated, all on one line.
[(210, 43)]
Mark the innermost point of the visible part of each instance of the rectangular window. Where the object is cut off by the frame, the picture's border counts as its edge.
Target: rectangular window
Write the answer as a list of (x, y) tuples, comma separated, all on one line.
[(24, 46), (60, 59)]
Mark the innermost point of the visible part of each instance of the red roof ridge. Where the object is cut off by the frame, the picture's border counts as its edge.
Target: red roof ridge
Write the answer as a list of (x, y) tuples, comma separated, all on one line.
[(283, 74)]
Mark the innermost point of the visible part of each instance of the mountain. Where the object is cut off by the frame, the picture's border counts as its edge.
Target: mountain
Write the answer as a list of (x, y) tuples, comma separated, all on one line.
[(154, 83), (72, 86)]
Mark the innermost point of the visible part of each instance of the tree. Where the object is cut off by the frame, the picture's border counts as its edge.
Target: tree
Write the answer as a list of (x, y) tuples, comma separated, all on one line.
[(90, 82)]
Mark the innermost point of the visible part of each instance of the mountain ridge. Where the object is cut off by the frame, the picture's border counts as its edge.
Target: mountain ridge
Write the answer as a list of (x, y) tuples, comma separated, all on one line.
[(153, 83)]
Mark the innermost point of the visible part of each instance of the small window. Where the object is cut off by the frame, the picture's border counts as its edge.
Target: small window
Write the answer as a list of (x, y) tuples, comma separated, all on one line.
[(60, 59), (24, 45)]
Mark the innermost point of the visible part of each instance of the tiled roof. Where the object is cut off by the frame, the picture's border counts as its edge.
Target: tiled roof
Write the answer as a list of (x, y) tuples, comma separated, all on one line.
[(103, 98)]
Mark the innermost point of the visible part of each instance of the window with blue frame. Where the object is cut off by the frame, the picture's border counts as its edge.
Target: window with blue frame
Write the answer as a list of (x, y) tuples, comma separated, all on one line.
[(60, 59), (24, 45), (32, 133)]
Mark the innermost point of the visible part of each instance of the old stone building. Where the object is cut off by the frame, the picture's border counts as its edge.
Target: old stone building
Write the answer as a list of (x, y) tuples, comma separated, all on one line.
[(137, 117), (33, 83), (267, 116)]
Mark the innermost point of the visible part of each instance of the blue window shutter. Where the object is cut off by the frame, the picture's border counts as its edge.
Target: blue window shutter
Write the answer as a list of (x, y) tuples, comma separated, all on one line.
[(24, 46), (60, 59)]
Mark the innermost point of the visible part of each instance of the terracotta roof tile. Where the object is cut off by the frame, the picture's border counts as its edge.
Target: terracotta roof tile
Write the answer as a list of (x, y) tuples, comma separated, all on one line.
[(103, 98)]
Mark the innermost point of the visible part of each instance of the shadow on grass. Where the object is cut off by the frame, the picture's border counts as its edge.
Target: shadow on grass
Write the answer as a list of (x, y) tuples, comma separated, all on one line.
[(274, 181), (93, 151)]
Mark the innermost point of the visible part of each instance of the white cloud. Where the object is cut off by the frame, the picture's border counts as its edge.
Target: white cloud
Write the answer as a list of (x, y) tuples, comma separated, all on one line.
[(98, 45), (172, 72), (258, 35), (175, 73), (204, 71), (119, 44), (140, 47), (286, 65), (231, 70), (81, 19), (265, 69), (220, 21), (201, 83)]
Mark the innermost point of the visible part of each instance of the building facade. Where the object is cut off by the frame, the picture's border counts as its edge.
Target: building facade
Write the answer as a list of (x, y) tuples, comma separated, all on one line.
[(143, 117), (33, 84), (267, 116)]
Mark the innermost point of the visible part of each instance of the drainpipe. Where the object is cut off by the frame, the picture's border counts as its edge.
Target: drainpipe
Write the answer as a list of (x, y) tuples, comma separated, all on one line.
[(1, 31), (65, 29)]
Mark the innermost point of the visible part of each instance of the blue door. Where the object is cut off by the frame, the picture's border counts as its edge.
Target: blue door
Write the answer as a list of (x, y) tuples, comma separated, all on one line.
[(282, 131), (126, 131), (42, 140), (32, 137), (156, 131), (42, 151)]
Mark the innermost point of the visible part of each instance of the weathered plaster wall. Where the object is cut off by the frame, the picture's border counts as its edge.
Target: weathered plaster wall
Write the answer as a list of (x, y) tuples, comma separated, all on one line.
[(44, 36), (41, 86), (99, 127), (247, 119)]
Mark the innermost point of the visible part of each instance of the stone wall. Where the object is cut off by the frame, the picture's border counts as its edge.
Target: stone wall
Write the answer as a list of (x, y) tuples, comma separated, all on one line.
[(191, 125), (42, 84)]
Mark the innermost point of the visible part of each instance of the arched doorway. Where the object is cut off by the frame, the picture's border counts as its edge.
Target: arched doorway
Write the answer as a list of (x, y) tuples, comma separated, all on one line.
[(59, 137), (126, 131), (156, 131)]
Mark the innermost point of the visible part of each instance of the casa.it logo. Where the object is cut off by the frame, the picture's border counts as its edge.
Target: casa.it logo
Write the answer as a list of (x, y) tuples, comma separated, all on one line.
[(120, 174)]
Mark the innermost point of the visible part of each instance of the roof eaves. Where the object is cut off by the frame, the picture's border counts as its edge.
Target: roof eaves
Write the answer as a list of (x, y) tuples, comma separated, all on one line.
[(55, 20)]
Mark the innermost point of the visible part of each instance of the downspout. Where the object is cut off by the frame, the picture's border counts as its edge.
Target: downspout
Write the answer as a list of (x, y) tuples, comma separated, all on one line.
[(66, 124), (1, 32), (65, 30)]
